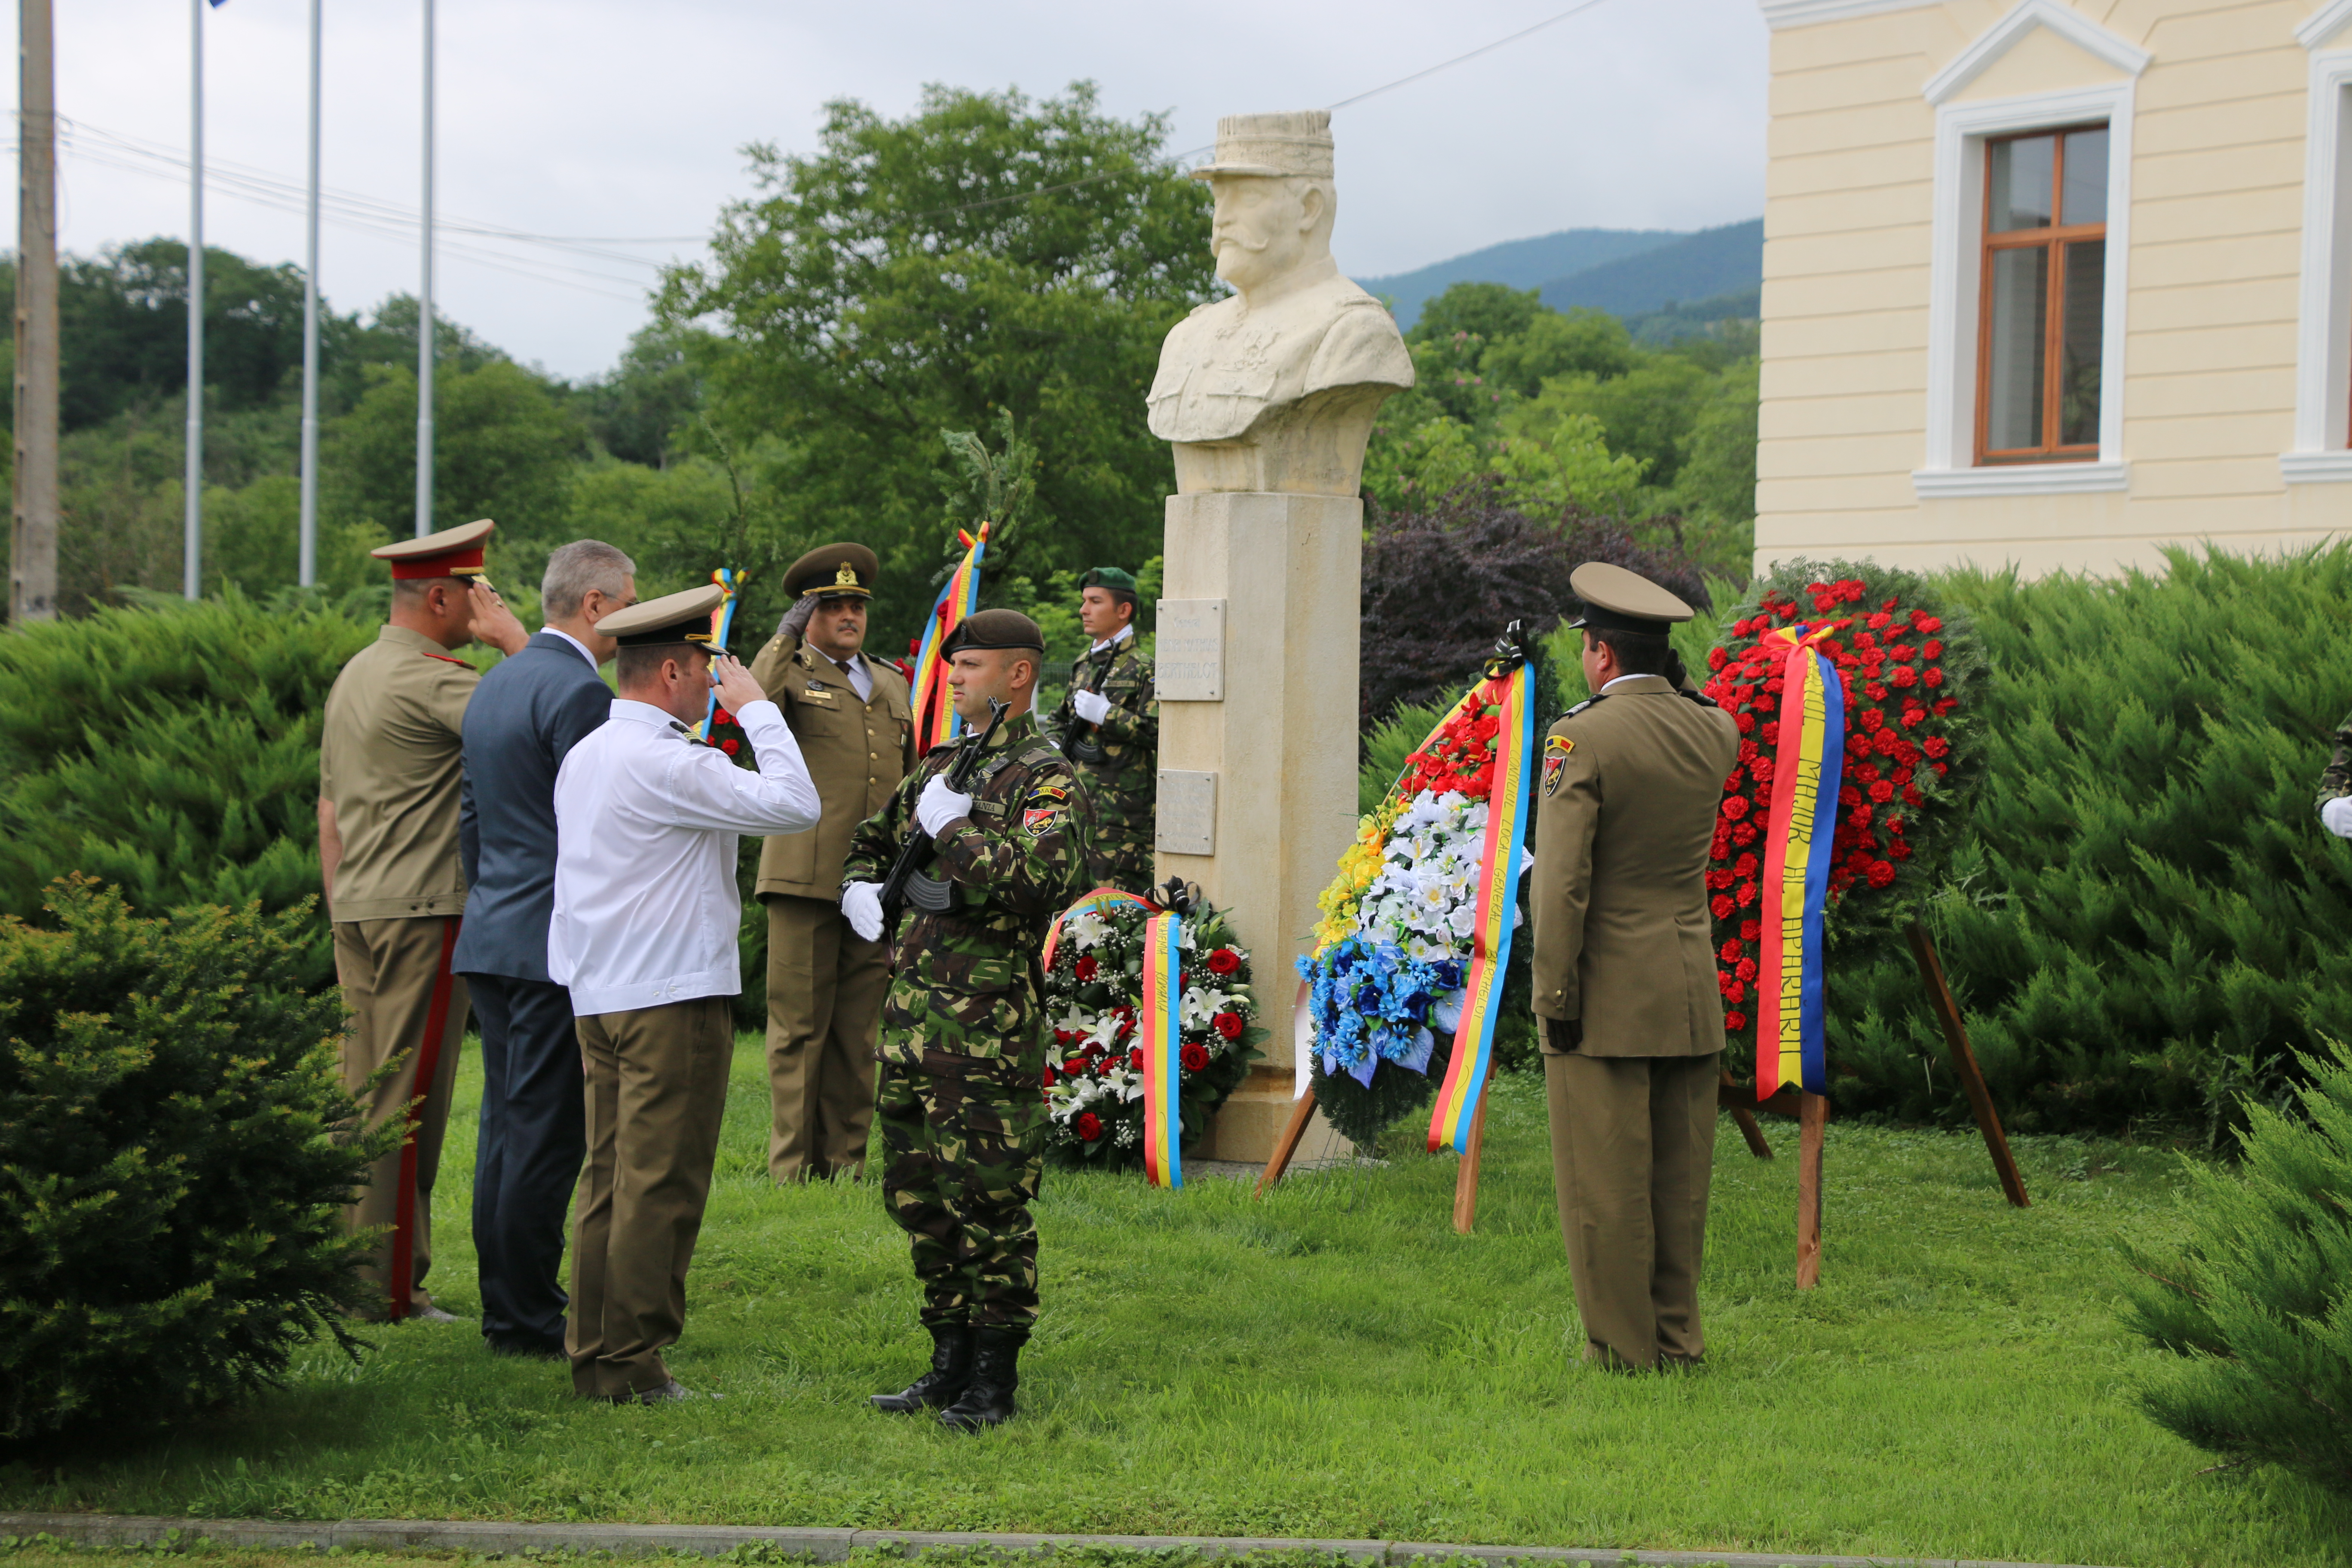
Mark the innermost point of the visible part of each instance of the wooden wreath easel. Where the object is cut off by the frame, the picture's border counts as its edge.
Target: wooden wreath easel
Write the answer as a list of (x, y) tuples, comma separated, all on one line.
[(1811, 1112)]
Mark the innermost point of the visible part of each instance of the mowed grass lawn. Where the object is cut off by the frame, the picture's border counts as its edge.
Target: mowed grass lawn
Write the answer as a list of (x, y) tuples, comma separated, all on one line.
[(1331, 1362)]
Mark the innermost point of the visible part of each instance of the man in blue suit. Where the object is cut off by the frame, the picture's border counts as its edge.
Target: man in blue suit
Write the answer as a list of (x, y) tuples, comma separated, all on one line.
[(526, 714)]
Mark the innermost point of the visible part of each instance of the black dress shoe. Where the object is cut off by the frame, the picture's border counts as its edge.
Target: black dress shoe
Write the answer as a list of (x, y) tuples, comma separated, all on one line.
[(527, 1346), (987, 1401), (950, 1372)]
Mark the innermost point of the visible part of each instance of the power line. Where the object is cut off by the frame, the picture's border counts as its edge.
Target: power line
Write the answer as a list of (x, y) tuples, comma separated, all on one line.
[(1577, 9)]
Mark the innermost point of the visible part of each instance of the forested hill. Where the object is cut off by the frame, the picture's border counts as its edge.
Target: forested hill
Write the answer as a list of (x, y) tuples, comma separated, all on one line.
[(1629, 273)]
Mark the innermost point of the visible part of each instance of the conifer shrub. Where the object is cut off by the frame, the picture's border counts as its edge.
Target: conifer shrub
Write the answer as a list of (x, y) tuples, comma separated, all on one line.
[(2259, 1301), (175, 1145), (2145, 918), (172, 752)]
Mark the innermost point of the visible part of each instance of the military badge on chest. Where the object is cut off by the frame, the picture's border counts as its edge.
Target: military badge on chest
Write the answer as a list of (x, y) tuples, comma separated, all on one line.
[(1556, 750)]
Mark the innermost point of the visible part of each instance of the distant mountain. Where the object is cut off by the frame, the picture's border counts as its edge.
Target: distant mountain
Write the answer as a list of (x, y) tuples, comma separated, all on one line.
[(1702, 265), (1526, 264), (1693, 318)]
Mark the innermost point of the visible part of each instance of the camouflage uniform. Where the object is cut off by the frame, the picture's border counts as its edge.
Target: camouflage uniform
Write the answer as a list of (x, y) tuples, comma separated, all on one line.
[(1118, 759), (961, 1109), (2336, 781)]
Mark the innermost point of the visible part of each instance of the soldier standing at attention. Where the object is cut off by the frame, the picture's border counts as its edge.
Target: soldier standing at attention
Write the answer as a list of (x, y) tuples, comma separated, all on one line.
[(388, 808), (856, 732), (1108, 724), (646, 825), (963, 1118), (1625, 992)]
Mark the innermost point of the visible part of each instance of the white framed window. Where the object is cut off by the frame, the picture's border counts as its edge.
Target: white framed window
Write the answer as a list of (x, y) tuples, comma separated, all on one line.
[(2323, 374), (1991, 372)]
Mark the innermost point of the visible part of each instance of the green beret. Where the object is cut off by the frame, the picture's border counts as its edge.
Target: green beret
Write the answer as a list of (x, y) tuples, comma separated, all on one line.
[(1110, 577), (993, 628)]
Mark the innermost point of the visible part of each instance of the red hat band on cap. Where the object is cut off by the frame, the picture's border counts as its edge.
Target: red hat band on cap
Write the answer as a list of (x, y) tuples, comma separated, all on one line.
[(466, 563)]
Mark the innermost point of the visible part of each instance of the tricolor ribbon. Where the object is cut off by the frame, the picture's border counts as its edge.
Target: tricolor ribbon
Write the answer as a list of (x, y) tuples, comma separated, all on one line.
[(1156, 1027), (935, 716), (1095, 902), (722, 622), (1507, 810), (1808, 767)]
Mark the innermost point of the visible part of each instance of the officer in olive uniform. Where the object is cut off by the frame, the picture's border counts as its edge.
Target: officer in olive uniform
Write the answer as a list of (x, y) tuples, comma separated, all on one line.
[(1625, 990), (963, 1118), (856, 733), (388, 810), (1108, 723)]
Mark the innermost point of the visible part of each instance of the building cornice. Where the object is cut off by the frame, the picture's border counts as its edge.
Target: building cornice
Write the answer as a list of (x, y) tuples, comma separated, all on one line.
[(1779, 14), (2323, 23), (2004, 35)]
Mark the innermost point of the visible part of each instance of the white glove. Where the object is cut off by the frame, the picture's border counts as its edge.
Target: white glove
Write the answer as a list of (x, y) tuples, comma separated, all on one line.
[(861, 906), (2336, 816), (939, 805), (1089, 706)]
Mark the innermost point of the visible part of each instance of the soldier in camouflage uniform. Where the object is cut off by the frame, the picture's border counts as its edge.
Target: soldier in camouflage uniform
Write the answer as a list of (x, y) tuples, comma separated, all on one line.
[(2335, 785), (1108, 723), (962, 1108)]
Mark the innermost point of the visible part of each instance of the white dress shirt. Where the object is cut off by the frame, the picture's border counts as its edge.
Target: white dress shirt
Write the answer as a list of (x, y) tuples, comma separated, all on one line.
[(646, 829), (1114, 638), (853, 670), (575, 642)]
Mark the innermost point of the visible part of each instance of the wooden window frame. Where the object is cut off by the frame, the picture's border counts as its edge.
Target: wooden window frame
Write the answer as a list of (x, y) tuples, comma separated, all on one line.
[(2054, 239)]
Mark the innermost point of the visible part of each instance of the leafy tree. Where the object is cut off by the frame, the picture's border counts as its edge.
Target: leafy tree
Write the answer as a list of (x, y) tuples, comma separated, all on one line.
[(1646, 413), (1581, 342), (640, 410), (985, 253), (505, 444), (1489, 311)]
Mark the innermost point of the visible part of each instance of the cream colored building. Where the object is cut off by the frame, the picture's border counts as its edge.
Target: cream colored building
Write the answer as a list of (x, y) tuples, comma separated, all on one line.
[(2056, 283)]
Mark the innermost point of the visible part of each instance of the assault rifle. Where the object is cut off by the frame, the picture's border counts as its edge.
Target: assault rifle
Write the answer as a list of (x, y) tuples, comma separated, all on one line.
[(917, 845)]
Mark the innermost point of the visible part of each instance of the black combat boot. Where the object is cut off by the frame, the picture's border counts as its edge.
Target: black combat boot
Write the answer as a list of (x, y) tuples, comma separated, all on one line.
[(950, 1374), (987, 1400)]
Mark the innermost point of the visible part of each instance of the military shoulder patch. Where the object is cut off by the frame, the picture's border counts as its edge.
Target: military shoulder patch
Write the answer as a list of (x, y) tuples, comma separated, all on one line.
[(1557, 750), (1038, 818)]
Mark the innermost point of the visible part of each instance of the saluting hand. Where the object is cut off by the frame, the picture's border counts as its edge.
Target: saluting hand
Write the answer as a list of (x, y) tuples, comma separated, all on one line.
[(493, 622), (737, 689)]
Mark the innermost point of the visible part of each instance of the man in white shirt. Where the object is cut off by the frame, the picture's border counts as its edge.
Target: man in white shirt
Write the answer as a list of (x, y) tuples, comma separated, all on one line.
[(644, 937)]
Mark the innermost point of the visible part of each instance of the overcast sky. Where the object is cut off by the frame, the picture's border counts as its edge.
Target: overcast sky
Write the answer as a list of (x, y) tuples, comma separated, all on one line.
[(612, 121)]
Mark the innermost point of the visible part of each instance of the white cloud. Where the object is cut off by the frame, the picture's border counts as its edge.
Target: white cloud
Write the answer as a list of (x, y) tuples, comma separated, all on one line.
[(596, 118)]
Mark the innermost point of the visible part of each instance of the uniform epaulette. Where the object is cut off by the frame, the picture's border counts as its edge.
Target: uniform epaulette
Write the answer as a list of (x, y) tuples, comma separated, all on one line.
[(1598, 697), (1038, 751)]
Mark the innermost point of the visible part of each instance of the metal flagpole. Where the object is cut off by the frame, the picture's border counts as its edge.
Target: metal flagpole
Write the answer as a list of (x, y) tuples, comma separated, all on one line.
[(307, 572), (33, 560), (192, 569), (424, 312)]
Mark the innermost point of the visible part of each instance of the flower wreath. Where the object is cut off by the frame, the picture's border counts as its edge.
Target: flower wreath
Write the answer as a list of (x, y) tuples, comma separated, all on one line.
[(1914, 675), (1094, 1075), (1393, 950)]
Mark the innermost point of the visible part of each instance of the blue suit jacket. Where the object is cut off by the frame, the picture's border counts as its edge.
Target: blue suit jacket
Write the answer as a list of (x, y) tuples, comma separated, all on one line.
[(526, 714)]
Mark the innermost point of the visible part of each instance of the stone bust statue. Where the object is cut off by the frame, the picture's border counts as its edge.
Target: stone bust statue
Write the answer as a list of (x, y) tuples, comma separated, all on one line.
[(1274, 388)]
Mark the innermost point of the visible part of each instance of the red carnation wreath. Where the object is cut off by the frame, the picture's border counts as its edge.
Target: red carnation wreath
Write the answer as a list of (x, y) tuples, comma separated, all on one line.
[(1914, 675)]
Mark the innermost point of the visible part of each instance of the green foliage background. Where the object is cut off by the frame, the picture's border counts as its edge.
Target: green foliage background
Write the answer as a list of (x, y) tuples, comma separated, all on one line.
[(175, 1145)]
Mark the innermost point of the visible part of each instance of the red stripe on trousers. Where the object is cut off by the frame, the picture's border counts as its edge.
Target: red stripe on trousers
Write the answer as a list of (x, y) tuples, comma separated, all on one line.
[(428, 1065)]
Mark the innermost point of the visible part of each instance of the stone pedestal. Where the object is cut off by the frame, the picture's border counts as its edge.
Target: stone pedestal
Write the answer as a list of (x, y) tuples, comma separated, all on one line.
[(1281, 742)]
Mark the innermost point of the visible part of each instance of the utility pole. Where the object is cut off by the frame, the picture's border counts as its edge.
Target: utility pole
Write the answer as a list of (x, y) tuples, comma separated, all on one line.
[(424, 312), (307, 568), (33, 547), (192, 568)]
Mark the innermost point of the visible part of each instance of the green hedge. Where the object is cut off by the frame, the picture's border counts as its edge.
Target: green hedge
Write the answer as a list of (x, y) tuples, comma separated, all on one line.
[(172, 752), (2147, 919)]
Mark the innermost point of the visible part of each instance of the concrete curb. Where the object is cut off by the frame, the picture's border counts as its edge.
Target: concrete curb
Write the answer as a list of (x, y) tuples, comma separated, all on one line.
[(490, 1538)]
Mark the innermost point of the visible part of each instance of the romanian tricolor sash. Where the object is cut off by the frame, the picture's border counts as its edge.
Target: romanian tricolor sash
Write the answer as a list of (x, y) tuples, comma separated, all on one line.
[(1498, 880), (1156, 1027), (935, 716), (722, 622), (1808, 768), (1095, 902)]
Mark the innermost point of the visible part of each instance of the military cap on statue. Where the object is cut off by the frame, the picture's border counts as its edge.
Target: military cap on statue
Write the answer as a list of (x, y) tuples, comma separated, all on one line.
[(672, 618), (1616, 600), (1296, 145), (833, 571), (1110, 577), (452, 553), (994, 629)]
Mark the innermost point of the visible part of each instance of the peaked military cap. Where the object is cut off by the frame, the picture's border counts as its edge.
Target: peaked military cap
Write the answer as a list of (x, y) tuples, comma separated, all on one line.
[(990, 628), (1110, 577), (452, 553), (672, 618), (1616, 600), (833, 571)]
